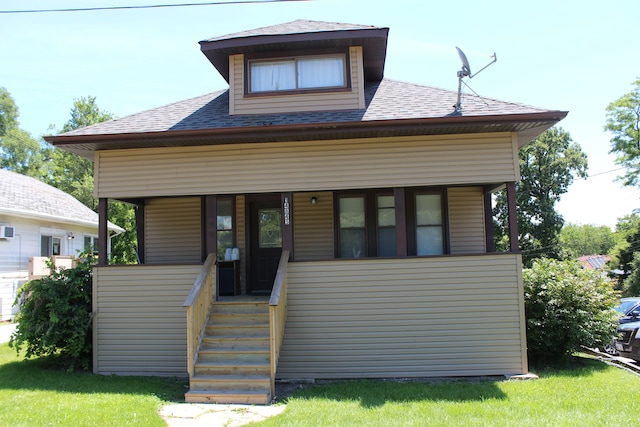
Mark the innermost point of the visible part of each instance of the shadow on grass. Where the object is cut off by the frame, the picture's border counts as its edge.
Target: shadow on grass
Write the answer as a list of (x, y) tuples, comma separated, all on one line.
[(42, 374), (375, 393)]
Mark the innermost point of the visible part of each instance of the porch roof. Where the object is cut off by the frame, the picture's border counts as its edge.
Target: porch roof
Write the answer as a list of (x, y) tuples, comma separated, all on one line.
[(393, 108)]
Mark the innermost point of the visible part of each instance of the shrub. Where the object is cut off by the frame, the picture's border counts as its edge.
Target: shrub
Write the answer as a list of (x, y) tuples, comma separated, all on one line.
[(566, 307), (55, 316)]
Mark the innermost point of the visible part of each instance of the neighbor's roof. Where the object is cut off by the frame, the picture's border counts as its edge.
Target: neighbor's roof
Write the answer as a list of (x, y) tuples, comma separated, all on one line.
[(24, 196), (392, 108), (594, 262)]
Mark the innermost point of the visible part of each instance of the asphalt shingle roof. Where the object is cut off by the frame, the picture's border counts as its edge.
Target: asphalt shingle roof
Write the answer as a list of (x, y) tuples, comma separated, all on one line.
[(294, 27), (385, 100), (20, 194)]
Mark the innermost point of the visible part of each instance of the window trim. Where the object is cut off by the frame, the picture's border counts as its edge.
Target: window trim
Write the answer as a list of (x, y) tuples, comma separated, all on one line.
[(295, 56)]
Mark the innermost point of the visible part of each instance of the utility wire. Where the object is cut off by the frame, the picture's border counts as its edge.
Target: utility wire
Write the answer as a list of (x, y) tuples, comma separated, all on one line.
[(154, 6)]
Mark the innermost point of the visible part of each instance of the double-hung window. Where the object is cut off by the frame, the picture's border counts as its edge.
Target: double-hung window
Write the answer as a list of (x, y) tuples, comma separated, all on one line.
[(367, 223), (297, 73)]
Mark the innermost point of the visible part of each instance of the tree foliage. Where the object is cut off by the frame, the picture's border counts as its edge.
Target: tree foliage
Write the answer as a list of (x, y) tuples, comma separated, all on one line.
[(579, 240), (8, 112), (548, 165), (566, 307), (623, 121), (622, 254), (55, 316), (21, 153)]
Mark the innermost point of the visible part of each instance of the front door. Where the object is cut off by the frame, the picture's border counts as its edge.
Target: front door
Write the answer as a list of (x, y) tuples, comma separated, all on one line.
[(265, 244)]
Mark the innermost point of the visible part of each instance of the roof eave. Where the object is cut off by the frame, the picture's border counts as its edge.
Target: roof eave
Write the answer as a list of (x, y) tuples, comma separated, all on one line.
[(528, 126)]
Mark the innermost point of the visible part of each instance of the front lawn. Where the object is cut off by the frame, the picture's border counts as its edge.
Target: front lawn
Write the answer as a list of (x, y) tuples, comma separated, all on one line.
[(588, 394), (33, 394)]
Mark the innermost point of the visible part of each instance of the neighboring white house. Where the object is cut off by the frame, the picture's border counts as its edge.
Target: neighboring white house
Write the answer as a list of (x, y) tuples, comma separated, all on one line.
[(38, 221)]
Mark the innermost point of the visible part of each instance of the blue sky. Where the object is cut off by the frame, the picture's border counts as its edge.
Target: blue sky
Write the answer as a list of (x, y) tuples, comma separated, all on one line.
[(567, 55)]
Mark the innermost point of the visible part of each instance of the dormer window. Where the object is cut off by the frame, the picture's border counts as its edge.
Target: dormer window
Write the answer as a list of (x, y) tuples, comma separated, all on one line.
[(297, 73)]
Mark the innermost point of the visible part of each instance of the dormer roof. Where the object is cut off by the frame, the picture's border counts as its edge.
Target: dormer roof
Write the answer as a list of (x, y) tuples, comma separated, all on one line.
[(301, 35)]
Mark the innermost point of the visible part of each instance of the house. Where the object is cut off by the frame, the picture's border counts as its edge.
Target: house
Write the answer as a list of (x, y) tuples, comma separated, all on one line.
[(39, 222), (594, 262), (313, 220)]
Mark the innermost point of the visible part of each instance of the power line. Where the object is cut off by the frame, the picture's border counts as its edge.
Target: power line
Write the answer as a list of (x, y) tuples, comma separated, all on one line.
[(154, 6)]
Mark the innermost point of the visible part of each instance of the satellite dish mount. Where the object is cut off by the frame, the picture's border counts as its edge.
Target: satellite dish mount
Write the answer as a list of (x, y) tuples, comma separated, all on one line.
[(465, 71)]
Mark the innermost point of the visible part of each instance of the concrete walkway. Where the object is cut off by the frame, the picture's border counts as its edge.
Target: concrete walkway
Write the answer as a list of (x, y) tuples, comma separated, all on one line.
[(6, 329), (213, 415)]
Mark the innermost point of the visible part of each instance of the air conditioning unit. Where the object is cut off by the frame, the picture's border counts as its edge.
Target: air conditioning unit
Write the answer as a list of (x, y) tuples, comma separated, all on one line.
[(7, 232)]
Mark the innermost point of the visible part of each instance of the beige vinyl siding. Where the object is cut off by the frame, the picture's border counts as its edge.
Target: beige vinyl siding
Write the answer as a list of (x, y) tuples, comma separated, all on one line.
[(313, 226), (466, 220), (307, 166), (140, 324), (341, 100), (420, 317), (172, 230)]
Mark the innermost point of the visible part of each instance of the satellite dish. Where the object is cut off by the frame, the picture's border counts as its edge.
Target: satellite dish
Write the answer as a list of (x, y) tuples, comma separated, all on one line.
[(466, 69), (466, 72)]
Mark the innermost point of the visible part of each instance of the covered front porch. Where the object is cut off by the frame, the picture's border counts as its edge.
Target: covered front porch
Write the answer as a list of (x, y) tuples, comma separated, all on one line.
[(405, 317)]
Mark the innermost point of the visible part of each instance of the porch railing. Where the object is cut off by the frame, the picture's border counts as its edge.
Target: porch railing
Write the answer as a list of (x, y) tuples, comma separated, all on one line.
[(198, 303), (278, 315)]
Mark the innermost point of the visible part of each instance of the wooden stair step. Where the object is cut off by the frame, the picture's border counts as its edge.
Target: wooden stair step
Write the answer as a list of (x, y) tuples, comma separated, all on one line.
[(235, 343), (230, 382), (257, 397)]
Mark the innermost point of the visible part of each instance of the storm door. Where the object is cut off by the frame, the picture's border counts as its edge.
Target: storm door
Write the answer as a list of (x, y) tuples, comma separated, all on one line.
[(265, 244)]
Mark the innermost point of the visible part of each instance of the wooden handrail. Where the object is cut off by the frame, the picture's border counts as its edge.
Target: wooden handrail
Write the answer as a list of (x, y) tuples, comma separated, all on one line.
[(197, 286), (278, 315), (197, 304)]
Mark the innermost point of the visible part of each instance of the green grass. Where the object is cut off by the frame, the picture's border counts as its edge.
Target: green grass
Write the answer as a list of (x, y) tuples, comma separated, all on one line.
[(33, 393), (589, 394)]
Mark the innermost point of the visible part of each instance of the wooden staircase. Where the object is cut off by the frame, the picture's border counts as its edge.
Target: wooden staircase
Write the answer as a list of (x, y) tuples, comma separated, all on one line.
[(233, 360)]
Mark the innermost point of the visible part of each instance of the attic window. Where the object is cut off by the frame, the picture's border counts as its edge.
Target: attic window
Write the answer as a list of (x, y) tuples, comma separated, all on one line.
[(297, 74)]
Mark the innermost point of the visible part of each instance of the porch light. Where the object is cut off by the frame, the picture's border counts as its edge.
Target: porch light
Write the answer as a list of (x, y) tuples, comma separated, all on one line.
[(70, 236), (314, 200)]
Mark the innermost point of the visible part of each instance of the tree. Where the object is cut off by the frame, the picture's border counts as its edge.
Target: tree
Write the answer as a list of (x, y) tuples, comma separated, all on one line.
[(8, 112), (548, 166), (566, 307), (578, 240), (627, 245), (623, 121), (21, 153)]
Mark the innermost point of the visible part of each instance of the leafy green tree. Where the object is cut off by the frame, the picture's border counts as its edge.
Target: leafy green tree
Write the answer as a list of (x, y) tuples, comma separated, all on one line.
[(548, 165), (55, 316), (623, 121), (21, 153), (8, 112), (631, 285), (628, 244), (566, 307), (579, 240)]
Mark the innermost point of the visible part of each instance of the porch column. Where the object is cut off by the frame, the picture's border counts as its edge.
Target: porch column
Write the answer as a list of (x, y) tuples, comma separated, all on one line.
[(287, 222), (103, 231), (490, 245), (210, 225), (139, 213), (513, 217)]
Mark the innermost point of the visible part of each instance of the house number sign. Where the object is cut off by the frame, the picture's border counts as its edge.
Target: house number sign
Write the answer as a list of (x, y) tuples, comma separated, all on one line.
[(286, 210)]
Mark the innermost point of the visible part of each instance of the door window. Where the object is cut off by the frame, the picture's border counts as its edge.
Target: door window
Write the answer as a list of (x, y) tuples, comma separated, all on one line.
[(269, 228)]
